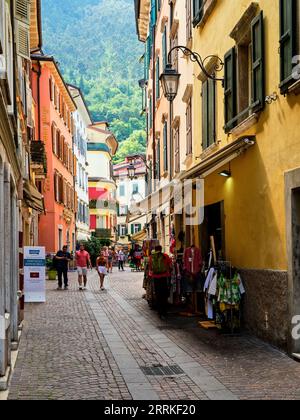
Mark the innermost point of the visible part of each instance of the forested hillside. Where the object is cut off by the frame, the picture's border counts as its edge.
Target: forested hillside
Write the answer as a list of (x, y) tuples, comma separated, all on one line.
[(96, 45)]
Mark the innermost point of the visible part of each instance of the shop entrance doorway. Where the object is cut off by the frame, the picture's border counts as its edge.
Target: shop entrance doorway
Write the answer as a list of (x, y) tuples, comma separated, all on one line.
[(296, 266), (292, 202), (213, 225)]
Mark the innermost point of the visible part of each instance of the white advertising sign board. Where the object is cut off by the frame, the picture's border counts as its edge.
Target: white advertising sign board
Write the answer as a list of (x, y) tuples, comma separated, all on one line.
[(35, 274)]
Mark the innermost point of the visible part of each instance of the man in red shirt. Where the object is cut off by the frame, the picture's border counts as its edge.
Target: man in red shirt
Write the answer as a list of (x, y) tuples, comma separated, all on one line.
[(160, 271), (83, 262)]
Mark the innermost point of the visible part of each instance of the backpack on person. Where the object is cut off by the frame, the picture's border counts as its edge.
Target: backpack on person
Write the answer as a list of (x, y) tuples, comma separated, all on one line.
[(159, 264)]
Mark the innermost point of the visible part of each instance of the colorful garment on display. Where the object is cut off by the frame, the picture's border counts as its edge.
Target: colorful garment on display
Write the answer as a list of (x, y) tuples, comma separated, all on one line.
[(222, 293)]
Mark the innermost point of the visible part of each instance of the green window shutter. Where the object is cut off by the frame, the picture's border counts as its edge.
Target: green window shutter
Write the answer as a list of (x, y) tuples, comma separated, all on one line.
[(157, 78), (230, 89), (153, 12), (258, 63), (132, 229), (140, 227), (197, 11), (165, 146), (288, 41)]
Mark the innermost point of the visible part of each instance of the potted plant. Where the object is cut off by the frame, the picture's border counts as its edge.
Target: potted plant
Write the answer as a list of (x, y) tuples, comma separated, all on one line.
[(51, 269)]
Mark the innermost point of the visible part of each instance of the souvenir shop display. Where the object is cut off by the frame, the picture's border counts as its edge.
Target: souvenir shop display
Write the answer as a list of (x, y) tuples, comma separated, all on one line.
[(136, 258), (148, 247), (224, 290)]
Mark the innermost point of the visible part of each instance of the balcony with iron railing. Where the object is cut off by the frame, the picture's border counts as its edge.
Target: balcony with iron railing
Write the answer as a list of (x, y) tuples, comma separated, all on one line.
[(103, 233), (103, 205)]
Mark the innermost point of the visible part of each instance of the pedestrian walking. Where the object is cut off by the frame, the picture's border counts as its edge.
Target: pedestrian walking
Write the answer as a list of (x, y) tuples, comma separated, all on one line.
[(62, 259), (101, 269), (110, 258), (121, 259), (83, 262), (160, 271)]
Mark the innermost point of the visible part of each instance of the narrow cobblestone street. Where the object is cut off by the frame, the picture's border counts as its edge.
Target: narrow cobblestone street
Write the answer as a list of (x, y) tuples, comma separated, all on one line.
[(95, 345)]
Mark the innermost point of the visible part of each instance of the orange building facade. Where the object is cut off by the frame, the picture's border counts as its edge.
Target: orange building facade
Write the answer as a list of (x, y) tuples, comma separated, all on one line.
[(54, 108)]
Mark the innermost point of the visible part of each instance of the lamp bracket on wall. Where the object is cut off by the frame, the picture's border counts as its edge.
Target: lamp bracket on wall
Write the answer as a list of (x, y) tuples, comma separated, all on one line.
[(196, 58)]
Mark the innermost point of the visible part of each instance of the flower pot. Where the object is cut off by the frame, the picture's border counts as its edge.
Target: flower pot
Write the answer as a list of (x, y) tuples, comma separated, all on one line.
[(52, 275)]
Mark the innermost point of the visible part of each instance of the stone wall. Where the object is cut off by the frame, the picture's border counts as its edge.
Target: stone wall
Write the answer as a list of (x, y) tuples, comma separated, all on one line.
[(265, 309)]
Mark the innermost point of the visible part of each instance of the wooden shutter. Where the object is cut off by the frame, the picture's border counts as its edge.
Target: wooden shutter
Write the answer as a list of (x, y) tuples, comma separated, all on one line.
[(132, 229), (53, 133), (211, 112), (165, 138), (23, 41), (189, 126), (157, 78), (57, 150), (22, 11), (165, 48), (230, 89), (50, 89), (55, 186), (157, 175), (288, 41), (71, 162), (188, 6), (258, 63)]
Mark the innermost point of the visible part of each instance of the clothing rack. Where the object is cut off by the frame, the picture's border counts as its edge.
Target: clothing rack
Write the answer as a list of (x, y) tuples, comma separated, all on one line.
[(219, 265)]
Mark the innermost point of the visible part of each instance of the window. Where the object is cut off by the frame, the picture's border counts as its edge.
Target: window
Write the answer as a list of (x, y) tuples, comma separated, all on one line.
[(289, 42), (122, 190), (189, 128), (245, 75), (157, 78), (57, 150), (157, 172), (123, 230), (208, 113), (53, 134), (136, 228), (189, 29), (135, 189), (198, 11), (174, 43), (165, 48), (123, 210), (51, 89), (165, 139), (60, 236), (176, 142), (150, 113)]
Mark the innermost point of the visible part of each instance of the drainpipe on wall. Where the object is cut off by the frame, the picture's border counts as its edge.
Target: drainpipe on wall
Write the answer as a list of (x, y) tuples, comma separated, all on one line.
[(38, 73), (154, 109), (154, 99)]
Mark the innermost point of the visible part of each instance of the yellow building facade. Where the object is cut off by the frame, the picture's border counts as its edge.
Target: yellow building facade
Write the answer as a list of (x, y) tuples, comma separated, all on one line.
[(246, 148)]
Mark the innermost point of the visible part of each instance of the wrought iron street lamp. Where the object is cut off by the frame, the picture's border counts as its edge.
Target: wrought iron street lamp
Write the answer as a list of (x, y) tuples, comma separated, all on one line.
[(170, 78), (131, 171), (131, 168), (170, 81)]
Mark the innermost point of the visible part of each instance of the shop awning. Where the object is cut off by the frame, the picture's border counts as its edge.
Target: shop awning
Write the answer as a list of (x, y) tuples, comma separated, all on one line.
[(140, 236), (220, 158), (33, 198), (157, 201)]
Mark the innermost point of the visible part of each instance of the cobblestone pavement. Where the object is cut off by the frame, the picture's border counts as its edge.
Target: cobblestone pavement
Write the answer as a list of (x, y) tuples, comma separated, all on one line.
[(95, 345)]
